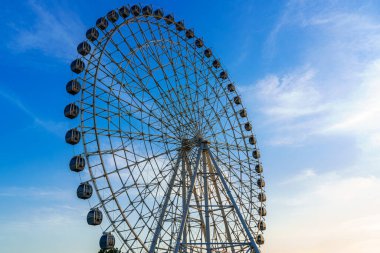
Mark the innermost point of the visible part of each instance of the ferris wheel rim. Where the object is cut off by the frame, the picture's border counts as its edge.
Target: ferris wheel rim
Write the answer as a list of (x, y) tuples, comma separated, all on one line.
[(93, 179)]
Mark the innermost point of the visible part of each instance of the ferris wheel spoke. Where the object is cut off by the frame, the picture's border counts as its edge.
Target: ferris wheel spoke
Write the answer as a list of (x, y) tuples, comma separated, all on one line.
[(167, 79), (158, 60), (149, 93), (133, 163), (163, 109), (143, 104)]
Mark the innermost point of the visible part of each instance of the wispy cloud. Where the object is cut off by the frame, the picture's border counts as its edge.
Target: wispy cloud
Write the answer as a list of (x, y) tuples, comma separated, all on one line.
[(55, 128), (34, 192), (333, 93), (336, 91), (55, 32), (326, 212)]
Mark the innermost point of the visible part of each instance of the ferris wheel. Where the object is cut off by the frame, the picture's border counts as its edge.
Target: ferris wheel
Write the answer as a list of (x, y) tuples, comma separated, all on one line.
[(168, 149)]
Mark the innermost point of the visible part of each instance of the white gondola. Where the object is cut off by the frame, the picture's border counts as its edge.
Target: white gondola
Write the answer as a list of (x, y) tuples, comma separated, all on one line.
[(180, 26), (73, 136), (252, 140), (77, 163), (124, 12), (190, 34), (84, 191), (262, 197), (169, 19), (262, 226), (223, 75), (208, 53), (158, 14), (261, 182), (256, 154), (216, 64), (237, 100), (73, 87), (262, 211), (147, 10), (84, 48), (231, 87), (135, 10), (248, 126), (112, 16), (92, 34), (94, 217), (243, 113), (260, 239), (102, 23), (77, 66), (199, 43), (259, 168), (71, 111), (107, 241)]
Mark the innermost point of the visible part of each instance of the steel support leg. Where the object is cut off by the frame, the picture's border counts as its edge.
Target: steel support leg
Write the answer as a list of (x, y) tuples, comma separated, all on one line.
[(184, 215), (205, 191), (241, 218), (166, 201)]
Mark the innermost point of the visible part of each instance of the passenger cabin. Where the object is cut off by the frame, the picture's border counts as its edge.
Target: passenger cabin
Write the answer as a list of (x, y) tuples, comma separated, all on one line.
[(260, 182), (92, 34), (262, 211), (124, 12), (260, 239), (77, 163), (135, 9), (208, 53), (107, 241), (94, 217), (169, 19), (112, 16), (262, 197), (243, 113), (102, 23), (84, 191), (73, 136), (147, 10), (77, 66), (73, 87), (190, 34), (216, 64), (223, 75), (158, 14), (248, 126), (199, 43), (180, 26), (84, 48), (231, 87), (252, 140), (71, 111), (259, 168), (256, 154), (262, 226)]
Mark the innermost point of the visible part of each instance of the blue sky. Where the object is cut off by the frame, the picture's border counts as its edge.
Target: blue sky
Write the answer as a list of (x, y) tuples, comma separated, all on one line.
[(309, 73)]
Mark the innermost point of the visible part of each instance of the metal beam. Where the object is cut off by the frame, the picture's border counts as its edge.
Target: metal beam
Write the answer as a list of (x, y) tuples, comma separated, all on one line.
[(205, 191), (163, 211), (241, 218), (213, 178), (184, 215)]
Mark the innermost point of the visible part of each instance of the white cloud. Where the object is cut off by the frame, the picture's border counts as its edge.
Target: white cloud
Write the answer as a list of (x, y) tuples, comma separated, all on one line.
[(336, 91), (330, 212), (67, 26), (56, 128), (34, 192), (333, 94)]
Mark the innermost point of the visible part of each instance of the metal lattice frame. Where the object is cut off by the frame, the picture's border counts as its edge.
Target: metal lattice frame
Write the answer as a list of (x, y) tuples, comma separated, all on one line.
[(166, 147)]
